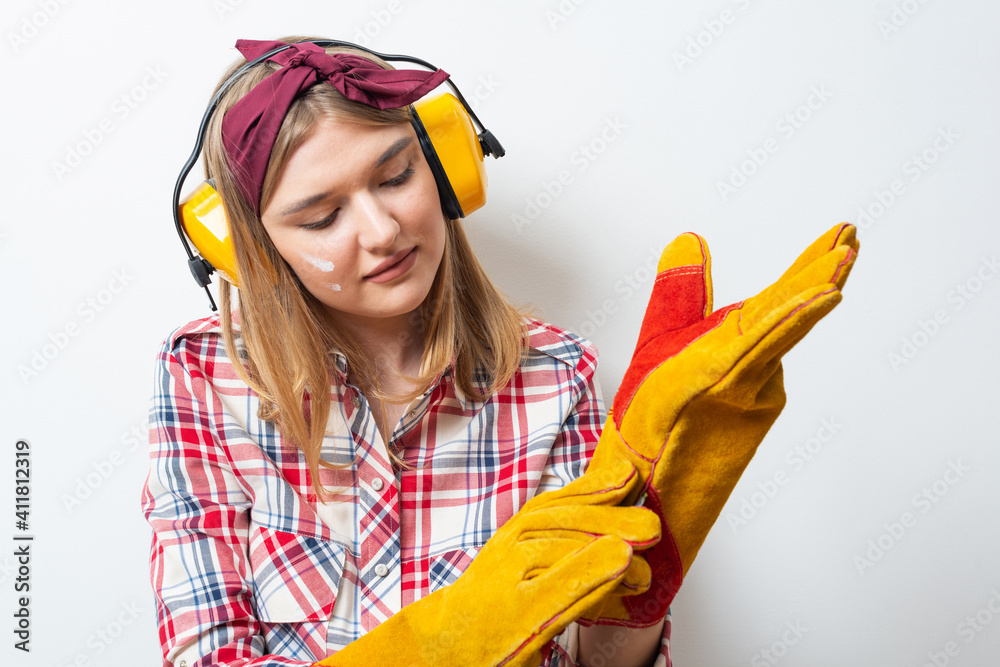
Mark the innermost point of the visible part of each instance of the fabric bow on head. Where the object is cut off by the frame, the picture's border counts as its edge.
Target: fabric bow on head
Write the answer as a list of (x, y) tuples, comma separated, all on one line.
[(250, 127)]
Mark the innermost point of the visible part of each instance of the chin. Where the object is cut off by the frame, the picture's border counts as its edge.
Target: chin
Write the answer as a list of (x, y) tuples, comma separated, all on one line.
[(376, 309)]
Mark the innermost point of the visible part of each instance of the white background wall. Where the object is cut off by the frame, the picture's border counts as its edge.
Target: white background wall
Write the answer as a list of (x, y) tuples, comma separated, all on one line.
[(673, 99)]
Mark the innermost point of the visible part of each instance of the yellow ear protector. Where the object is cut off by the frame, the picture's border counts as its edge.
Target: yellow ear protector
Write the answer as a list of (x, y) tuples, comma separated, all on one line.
[(445, 126)]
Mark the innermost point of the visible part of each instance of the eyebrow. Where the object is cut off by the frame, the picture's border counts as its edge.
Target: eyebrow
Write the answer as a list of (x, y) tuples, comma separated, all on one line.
[(393, 150), (398, 146)]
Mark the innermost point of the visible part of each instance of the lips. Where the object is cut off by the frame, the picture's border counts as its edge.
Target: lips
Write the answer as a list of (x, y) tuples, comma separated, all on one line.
[(395, 266)]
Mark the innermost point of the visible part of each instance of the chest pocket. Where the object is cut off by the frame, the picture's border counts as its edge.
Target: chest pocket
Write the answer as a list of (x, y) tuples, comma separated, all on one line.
[(295, 577), (445, 568)]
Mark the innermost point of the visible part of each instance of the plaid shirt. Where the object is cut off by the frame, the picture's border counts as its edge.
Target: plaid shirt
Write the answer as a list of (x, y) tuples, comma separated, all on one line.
[(249, 569)]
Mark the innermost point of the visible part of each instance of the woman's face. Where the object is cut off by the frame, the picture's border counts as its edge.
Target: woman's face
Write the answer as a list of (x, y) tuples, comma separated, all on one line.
[(356, 215)]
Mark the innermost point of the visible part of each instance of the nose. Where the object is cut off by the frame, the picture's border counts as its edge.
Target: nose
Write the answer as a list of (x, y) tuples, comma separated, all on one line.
[(377, 228)]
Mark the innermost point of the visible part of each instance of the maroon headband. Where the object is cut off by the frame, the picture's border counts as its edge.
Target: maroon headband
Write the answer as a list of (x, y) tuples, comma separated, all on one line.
[(250, 127)]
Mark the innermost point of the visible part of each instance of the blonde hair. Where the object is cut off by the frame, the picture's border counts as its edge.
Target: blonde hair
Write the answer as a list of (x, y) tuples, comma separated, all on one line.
[(288, 335)]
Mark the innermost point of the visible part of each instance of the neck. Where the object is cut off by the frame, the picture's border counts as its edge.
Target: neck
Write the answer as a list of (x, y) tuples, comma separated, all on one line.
[(394, 344)]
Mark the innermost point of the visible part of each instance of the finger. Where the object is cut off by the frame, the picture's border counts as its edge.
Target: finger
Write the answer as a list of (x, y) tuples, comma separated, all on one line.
[(638, 526), (682, 298), (556, 597), (827, 271), (847, 238), (829, 259), (789, 330), (773, 340), (582, 577), (682, 291), (685, 265), (540, 555), (602, 485), (843, 234), (637, 579), (794, 305), (581, 582)]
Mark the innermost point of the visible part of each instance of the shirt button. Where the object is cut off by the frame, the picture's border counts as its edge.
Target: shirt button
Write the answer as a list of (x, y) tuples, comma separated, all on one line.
[(411, 413), (381, 570), (377, 484), (356, 401), (182, 663)]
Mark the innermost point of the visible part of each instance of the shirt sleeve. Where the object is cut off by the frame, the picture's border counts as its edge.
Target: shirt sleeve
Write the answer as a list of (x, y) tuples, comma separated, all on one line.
[(199, 516), (581, 429), (570, 455)]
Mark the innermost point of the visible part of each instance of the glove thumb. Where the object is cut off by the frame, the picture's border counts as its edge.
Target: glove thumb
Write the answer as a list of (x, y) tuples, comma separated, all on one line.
[(682, 293)]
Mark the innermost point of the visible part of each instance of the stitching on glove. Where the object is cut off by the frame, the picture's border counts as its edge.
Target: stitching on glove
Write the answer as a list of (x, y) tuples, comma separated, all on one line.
[(557, 616), (801, 306), (840, 267)]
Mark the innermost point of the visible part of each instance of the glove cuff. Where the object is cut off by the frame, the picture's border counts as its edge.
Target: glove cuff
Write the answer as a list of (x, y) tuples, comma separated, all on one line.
[(664, 559), (668, 571)]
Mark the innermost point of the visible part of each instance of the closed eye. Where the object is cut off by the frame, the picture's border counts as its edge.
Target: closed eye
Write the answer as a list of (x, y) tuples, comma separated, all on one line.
[(402, 178), (393, 182), (322, 223)]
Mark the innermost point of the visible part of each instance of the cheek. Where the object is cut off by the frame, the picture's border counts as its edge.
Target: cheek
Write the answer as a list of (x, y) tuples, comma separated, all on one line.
[(432, 221), (319, 263), (319, 282), (319, 271), (425, 202), (323, 277)]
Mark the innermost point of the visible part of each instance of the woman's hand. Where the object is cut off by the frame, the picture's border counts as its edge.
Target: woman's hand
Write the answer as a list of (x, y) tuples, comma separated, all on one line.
[(702, 390), (563, 552)]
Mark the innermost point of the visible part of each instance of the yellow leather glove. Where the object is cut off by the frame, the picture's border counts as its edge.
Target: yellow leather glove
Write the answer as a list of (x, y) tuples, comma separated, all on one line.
[(562, 552), (702, 390)]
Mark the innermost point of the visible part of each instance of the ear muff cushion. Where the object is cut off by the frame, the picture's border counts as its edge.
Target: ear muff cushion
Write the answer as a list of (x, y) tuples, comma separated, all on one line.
[(455, 148), (204, 222), (449, 202)]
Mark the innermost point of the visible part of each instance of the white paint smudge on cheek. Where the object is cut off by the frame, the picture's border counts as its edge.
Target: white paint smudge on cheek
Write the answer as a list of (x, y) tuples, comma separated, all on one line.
[(323, 265), (333, 286)]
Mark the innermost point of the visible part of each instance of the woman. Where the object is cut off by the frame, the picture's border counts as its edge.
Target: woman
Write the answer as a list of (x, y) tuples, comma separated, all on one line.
[(389, 413)]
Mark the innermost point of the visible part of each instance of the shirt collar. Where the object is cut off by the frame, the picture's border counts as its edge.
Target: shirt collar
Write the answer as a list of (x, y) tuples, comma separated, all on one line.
[(447, 375)]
